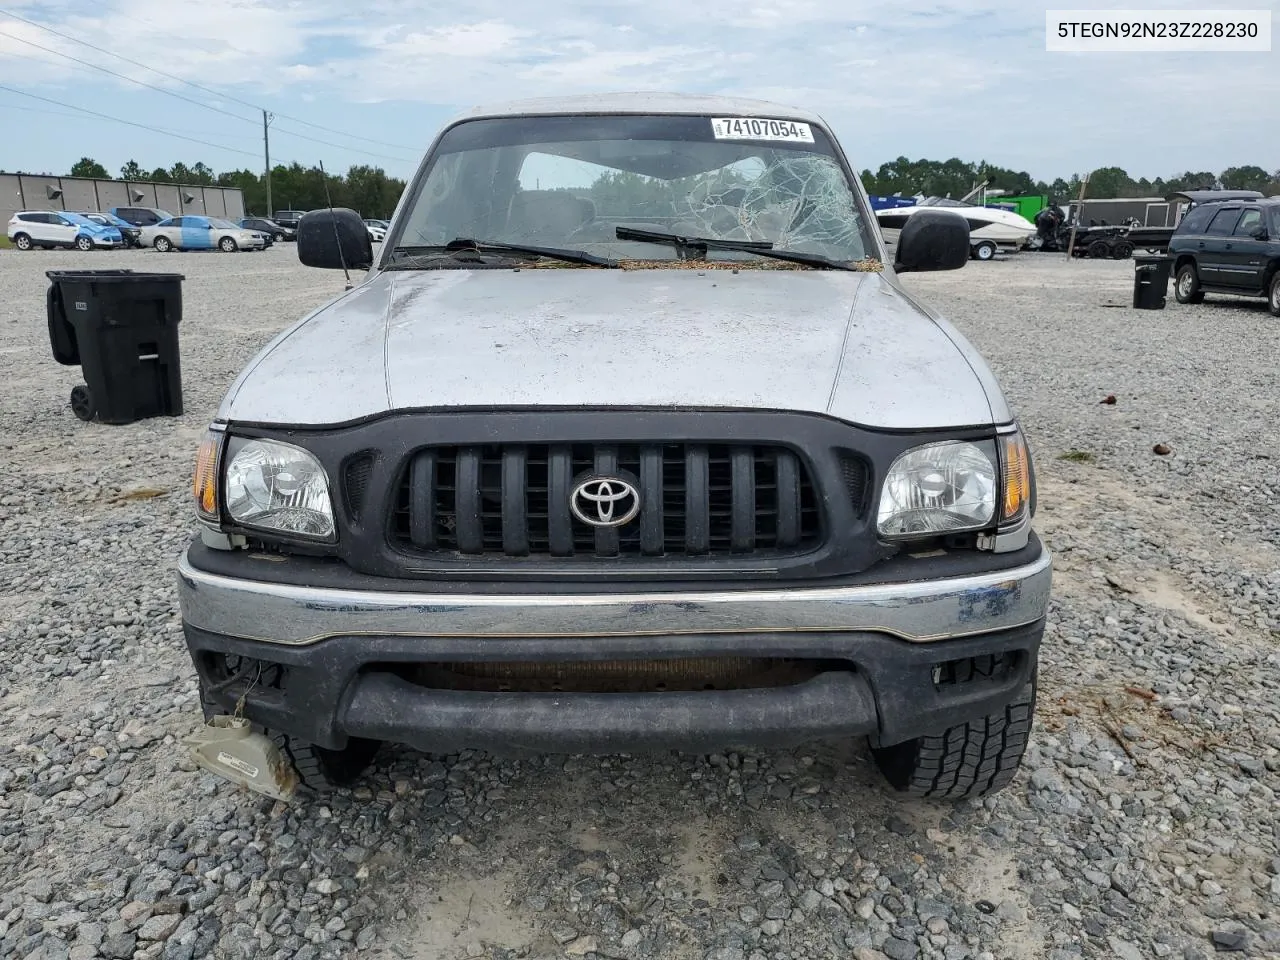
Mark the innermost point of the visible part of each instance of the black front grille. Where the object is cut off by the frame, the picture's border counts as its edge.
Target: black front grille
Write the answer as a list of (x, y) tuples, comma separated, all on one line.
[(355, 481), (696, 500), (854, 471)]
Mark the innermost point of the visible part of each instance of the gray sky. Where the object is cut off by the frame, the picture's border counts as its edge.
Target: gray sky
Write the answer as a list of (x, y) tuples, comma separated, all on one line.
[(914, 78)]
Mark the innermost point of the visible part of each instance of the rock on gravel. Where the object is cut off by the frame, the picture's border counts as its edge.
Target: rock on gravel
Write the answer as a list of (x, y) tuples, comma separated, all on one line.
[(1145, 823)]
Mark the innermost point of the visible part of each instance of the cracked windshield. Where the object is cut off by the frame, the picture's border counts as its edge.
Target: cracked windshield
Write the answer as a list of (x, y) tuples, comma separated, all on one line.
[(652, 189)]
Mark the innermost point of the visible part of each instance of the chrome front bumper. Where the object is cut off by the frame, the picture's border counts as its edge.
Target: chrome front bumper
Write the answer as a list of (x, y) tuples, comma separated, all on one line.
[(918, 611)]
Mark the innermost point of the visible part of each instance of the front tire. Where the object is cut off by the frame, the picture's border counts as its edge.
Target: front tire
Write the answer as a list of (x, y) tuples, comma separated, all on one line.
[(1186, 288), (985, 250), (971, 759), (1273, 295), (318, 769), (84, 244), (278, 238), (22, 241), (227, 245), (325, 771), (163, 244)]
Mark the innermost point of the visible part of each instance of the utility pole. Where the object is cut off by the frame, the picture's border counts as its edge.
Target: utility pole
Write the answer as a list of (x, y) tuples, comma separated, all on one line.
[(1071, 245), (266, 157)]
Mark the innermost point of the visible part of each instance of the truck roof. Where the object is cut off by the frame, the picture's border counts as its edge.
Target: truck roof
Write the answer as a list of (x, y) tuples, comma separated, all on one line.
[(643, 103), (1217, 196)]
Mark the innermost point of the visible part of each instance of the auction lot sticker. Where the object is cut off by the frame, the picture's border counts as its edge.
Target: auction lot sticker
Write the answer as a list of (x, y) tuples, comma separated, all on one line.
[(759, 128)]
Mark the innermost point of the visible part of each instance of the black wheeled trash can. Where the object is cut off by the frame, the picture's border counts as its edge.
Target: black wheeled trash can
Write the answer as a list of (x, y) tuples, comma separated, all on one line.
[(121, 328), (1150, 281)]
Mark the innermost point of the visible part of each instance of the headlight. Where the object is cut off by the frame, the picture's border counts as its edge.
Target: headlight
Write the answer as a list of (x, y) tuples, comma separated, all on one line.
[(279, 487), (939, 488)]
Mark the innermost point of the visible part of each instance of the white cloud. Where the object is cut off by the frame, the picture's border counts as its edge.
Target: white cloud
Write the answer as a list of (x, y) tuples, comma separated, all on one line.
[(466, 40), (590, 68)]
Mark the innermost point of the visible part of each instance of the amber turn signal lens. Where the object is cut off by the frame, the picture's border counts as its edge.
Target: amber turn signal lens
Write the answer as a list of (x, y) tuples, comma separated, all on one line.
[(204, 483), (1015, 470)]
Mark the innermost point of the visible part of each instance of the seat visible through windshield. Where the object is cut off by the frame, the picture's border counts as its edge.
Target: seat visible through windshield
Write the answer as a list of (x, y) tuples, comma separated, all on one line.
[(570, 182)]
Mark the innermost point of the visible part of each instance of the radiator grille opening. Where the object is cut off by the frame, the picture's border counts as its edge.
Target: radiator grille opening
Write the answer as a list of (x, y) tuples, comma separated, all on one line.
[(232, 674), (355, 482), (696, 500), (618, 676), (854, 471), (984, 669)]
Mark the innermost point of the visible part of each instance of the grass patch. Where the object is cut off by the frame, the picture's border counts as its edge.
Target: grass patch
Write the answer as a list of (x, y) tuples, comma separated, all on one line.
[(1077, 456), (5, 242)]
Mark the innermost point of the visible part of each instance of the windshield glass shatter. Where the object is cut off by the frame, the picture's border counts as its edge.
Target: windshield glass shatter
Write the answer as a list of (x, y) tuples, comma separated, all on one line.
[(569, 182)]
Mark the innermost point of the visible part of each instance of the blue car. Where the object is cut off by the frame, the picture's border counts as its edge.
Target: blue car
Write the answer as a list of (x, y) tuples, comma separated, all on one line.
[(200, 233)]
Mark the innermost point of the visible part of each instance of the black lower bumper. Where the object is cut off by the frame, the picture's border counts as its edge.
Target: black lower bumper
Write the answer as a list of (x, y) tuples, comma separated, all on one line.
[(888, 689)]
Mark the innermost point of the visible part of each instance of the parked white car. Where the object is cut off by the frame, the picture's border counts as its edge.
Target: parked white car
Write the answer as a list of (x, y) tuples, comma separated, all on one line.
[(29, 229), (200, 233), (377, 230)]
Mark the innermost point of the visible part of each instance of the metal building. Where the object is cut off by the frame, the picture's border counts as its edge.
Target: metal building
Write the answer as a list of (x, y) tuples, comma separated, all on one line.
[(1148, 211), (26, 191)]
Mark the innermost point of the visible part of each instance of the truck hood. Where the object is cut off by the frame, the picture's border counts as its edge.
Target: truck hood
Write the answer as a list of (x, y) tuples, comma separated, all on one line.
[(849, 345)]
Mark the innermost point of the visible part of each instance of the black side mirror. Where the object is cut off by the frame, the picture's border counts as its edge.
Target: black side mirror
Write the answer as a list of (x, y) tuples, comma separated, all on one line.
[(334, 239), (1259, 232), (932, 240)]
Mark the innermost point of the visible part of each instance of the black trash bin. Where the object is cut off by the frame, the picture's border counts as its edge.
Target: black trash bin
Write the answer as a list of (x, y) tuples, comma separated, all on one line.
[(121, 328), (1150, 281)]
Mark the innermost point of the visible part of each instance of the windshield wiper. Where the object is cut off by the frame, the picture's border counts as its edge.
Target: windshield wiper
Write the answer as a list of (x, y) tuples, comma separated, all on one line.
[(698, 246), (456, 249)]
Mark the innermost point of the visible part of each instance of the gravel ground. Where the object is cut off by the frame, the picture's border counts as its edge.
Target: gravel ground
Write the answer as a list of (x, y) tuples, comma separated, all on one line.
[(1143, 825)]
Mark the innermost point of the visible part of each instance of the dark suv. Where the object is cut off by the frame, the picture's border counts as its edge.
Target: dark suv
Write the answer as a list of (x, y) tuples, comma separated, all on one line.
[(1229, 247), (288, 218), (141, 216)]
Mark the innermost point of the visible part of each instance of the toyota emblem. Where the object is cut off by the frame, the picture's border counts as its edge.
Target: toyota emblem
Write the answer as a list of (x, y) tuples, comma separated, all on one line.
[(605, 501)]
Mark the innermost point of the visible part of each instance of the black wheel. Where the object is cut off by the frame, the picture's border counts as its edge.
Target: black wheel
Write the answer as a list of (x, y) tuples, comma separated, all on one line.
[(227, 245), (324, 770), (22, 241), (84, 244), (1099, 250), (1186, 288), (82, 403), (1122, 250), (968, 760), (318, 769), (1273, 295), (163, 244), (278, 238), (985, 250)]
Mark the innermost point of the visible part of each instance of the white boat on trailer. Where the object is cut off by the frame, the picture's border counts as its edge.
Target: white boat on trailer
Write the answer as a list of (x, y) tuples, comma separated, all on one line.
[(990, 228)]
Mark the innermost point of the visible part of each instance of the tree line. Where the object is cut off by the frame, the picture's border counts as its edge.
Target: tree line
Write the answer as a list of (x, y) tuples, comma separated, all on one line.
[(366, 189), (955, 178), (375, 194)]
